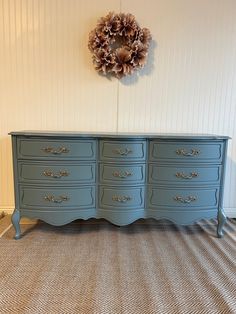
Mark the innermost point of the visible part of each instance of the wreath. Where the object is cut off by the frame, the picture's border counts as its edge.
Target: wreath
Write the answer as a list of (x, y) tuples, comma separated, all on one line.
[(118, 45)]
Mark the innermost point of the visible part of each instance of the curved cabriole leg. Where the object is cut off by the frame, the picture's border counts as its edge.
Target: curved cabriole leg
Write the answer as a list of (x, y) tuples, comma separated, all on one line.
[(221, 222), (15, 218)]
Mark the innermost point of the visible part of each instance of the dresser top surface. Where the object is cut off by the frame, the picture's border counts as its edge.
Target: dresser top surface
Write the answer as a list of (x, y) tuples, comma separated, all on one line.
[(116, 135)]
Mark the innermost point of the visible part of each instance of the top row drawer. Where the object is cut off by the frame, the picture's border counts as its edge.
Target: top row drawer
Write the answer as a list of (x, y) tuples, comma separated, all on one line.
[(120, 150), (186, 152), (80, 149), (56, 149)]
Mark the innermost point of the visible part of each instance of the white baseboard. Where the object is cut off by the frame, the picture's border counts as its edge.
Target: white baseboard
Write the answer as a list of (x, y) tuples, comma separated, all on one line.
[(230, 211), (6, 210)]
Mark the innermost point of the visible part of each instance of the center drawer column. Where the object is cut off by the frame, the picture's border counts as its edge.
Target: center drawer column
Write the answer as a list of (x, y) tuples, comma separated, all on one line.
[(121, 180)]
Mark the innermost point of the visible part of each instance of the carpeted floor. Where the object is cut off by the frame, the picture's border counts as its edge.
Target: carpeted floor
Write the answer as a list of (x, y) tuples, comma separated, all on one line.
[(94, 267)]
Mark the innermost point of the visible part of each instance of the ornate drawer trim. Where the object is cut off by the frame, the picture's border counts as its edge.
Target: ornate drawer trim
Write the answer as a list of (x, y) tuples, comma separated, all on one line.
[(179, 174), (49, 149), (121, 198), (56, 172), (127, 173), (180, 151), (122, 150), (161, 197), (56, 198)]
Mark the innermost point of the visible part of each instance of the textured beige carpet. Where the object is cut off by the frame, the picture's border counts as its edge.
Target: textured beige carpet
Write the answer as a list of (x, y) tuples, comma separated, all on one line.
[(95, 267)]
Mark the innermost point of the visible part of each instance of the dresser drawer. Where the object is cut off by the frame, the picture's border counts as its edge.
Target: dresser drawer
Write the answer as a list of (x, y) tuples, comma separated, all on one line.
[(186, 152), (183, 198), (121, 198), (122, 150), (48, 172), (186, 175), (73, 197), (56, 149), (122, 173)]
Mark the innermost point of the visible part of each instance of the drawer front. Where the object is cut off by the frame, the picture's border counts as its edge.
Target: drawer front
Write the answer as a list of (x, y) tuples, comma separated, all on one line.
[(186, 152), (57, 149), (56, 172), (188, 175), (73, 197), (122, 150), (125, 174), (120, 198), (183, 198)]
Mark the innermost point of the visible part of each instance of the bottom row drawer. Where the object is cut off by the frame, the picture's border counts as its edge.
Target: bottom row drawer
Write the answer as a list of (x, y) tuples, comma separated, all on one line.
[(181, 198), (157, 197), (117, 197), (124, 198), (71, 197), (81, 197)]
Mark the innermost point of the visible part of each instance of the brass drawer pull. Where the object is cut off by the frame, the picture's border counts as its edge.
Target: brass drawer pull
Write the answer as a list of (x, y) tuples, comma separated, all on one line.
[(189, 199), (182, 175), (50, 173), (122, 152), (53, 199), (56, 151), (121, 174), (193, 152), (121, 199)]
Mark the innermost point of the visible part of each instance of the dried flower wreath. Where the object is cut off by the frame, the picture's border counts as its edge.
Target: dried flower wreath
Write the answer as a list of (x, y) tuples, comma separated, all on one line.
[(118, 45)]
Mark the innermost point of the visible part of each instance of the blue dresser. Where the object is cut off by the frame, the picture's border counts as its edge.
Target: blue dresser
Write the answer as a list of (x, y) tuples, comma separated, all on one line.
[(63, 176)]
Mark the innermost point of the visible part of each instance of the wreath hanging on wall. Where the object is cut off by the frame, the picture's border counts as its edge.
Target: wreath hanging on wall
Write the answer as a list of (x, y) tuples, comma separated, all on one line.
[(118, 45)]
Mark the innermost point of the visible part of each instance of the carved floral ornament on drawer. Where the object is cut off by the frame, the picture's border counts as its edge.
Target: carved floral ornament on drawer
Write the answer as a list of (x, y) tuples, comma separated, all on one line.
[(119, 46)]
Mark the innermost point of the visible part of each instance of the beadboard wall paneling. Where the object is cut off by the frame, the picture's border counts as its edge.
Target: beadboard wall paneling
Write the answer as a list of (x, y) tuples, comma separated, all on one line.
[(47, 80), (189, 83)]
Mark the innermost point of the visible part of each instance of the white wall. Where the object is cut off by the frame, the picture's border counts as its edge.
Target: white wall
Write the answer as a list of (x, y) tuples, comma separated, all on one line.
[(47, 80)]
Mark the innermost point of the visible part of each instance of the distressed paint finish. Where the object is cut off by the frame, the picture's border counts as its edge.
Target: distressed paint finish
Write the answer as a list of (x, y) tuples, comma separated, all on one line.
[(111, 176)]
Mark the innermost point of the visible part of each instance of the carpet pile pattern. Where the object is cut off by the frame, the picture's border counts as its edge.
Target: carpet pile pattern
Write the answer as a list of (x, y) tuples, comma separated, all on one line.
[(94, 267)]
